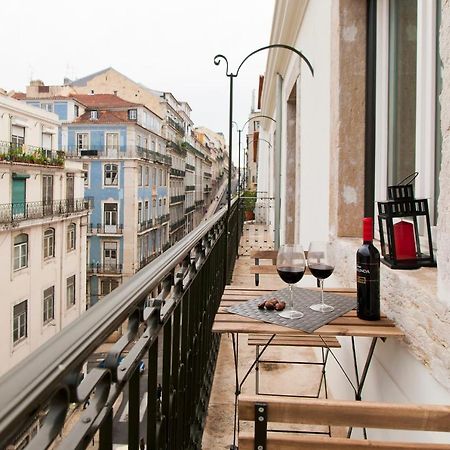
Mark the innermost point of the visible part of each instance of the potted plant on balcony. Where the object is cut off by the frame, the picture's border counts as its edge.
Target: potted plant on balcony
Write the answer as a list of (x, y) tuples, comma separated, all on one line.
[(248, 203)]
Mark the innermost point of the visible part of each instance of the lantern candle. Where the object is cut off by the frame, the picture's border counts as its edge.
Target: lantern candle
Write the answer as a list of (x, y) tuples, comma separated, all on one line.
[(405, 247)]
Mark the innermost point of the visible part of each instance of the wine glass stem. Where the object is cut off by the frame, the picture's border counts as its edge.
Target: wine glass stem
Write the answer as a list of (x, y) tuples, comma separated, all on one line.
[(321, 289), (292, 300)]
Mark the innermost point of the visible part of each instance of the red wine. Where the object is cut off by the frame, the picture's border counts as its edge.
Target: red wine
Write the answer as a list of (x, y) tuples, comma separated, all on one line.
[(321, 271), (290, 274), (368, 275)]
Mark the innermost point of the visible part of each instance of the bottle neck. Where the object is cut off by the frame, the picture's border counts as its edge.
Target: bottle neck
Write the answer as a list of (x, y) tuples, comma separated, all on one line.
[(367, 230)]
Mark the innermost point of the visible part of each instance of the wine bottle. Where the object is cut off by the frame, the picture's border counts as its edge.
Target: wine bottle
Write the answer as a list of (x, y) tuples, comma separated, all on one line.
[(368, 275)]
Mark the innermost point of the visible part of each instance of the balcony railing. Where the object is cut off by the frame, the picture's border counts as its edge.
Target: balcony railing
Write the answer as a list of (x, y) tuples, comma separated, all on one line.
[(189, 209), (177, 199), (146, 225), (174, 333), (104, 268), (30, 154), (207, 189), (153, 156), (176, 125), (144, 261), (100, 228), (207, 175), (190, 188), (199, 203), (190, 167), (17, 212), (177, 148), (175, 225), (177, 172)]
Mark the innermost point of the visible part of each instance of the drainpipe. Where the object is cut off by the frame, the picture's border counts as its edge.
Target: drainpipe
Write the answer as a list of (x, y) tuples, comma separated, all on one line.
[(277, 160), (369, 156)]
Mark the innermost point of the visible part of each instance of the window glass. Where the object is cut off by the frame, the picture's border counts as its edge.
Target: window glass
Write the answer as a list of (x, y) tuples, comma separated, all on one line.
[(20, 251), (71, 237), (49, 243), (111, 175), (402, 89), (108, 285), (70, 291), (20, 318), (49, 304)]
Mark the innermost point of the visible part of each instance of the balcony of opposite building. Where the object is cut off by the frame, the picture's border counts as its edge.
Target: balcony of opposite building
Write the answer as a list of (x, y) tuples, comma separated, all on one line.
[(12, 213), (112, 268), (177, 199), (11, 152), (103, 229)]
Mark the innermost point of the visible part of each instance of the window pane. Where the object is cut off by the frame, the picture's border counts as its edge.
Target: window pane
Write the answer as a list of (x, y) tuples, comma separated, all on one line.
[(402, 89), (20, 321)]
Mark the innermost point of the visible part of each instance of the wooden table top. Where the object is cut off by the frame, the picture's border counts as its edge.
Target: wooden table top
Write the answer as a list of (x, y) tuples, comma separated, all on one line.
[(347, 325)]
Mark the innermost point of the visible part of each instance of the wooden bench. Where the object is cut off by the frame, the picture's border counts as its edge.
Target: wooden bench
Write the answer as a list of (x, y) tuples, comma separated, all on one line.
[(336, 413), (294, 340), (266, 269)]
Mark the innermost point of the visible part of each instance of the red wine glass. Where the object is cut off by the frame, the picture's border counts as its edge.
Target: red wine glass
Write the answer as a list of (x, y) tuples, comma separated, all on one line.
[(321, 267), (291, 267)]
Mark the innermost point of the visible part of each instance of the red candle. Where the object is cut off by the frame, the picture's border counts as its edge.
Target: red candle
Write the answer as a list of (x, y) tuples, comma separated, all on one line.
[(405, 245)]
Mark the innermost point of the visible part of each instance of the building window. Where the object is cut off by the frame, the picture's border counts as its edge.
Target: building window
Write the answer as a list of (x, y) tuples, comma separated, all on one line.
[(402, 89), (70, 291), (110, 254), (146, 175), (49, 304), (82, 141), (139, 212), (17, 136), (47, 107), (146, 210), (76, 110), (86, 173), (108, 285), (47, 190), (94, 115), (49, 243), (132, 114), (110, 216), (111, 172), (21, 251), (71, 237), (20, 319), (140, 175)]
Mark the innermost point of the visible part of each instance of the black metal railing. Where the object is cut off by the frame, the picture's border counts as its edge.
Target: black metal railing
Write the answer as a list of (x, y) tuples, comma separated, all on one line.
[(190, 188), (173, 333), (177, 172), (177, 224), (19, 211), (165, 218), (176, 125), (147, 260), (104, 268), (199, 203), (190, 167), (189, 209), (153, 156), (101, 228), (207, 189), (30, 154), (207, 174), (146, 224), (177, 198)]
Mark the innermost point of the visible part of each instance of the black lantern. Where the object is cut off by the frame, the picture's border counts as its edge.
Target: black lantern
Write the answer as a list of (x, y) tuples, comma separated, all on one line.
[(399, 220)]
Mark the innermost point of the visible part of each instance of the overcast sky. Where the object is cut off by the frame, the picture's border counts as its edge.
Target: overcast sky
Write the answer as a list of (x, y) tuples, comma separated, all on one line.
[(168, 45)]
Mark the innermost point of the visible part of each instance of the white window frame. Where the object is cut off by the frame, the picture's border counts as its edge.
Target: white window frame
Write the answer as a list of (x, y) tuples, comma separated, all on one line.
[(48, 239), (94, 114), (132, 114), (71, 237), (48, 305), (83, 139), (114, 182), (71, 299), (20, 252), (425, 102), (21, 336)]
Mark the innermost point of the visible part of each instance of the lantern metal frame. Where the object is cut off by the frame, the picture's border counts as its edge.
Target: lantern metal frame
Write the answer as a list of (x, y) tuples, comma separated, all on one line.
[(403, 206)]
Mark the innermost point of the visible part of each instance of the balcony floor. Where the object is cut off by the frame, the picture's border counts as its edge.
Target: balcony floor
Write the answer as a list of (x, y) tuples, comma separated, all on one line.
[(274, 378)]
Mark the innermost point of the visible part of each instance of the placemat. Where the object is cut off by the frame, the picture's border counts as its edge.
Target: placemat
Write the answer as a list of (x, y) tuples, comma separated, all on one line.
[(303, 299)]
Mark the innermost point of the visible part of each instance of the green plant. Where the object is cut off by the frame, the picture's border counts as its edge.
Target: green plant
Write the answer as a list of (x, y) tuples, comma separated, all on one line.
[(249, 200)]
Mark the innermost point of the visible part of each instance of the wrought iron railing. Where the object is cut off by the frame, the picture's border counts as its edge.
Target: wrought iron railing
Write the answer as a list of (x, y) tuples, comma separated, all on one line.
[(30, 154), (176, 125), (146, 224), (207, 174), (190, 167), (177, 198), (199, 203), (189, 209), (177, 148), (101, 228), (190, 279), (104, 268), (19, 211), (153, 156), (190, 188), (147, 260), (177, 172), (175, 225)]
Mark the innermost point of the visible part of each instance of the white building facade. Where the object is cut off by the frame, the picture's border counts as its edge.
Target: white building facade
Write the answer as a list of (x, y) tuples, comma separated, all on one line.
[(43, 221), (323, 188)]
